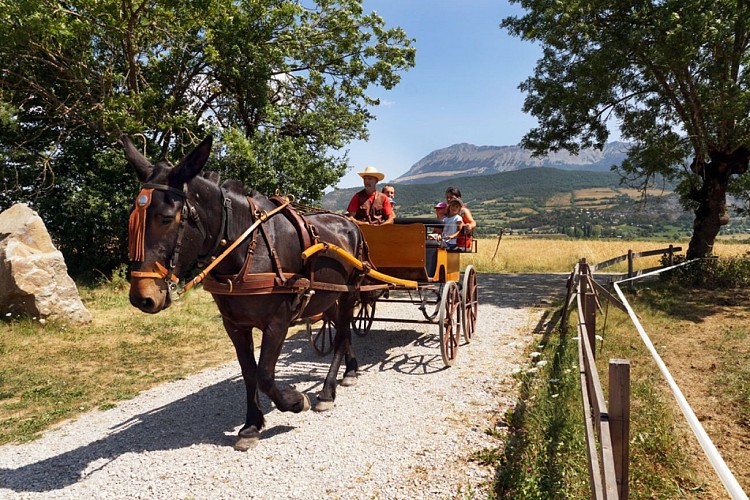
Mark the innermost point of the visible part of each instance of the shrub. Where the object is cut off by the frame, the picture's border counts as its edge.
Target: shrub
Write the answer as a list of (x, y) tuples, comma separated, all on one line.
[(711, 273)]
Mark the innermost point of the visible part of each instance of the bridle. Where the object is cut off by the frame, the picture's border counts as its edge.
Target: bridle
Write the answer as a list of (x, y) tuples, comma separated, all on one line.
[(189, 212)]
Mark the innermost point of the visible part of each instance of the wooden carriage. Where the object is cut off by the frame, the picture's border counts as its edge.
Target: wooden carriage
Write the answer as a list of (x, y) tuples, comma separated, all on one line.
[(418, 270)]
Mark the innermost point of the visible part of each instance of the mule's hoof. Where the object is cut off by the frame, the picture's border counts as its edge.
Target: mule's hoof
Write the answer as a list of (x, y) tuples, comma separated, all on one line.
[(305, 402), (324, 405), (349, 381), (247, 438)]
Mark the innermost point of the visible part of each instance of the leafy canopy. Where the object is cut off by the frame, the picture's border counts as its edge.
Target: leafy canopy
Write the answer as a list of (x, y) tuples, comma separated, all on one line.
[(672, 74), (284, 85)]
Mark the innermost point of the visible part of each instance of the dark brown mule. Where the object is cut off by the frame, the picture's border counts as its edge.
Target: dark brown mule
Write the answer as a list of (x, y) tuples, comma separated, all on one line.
[(183, 219)]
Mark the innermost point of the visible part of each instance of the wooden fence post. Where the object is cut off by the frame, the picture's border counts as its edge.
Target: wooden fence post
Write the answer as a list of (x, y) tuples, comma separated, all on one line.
[(630, 269), (671, 255), (589, 305), (619, 421)]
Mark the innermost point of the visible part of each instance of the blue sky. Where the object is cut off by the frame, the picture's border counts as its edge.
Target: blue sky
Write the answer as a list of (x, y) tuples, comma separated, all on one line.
[(462, 89)]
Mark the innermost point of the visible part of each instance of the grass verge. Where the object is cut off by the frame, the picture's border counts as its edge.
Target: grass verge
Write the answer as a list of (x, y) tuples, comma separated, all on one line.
[(52, 371), (544, 451), (702, 339)]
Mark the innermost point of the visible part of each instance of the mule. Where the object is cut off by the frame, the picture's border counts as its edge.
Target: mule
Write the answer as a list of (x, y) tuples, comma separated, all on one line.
[(182, 219)]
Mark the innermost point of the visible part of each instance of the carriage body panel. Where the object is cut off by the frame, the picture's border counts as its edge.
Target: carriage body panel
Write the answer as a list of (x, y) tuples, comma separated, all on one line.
[(403, 250)]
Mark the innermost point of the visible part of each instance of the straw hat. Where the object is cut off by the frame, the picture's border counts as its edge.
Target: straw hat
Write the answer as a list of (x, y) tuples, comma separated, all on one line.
[(372, 172)]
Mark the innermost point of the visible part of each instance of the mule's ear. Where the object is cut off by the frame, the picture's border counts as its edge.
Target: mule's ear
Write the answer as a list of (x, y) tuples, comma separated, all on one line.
[(143, 168), (193, 163)]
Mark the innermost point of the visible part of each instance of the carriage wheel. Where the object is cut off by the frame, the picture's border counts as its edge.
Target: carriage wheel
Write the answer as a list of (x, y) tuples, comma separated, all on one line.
[(322, 339), (362, 320), (450, 323), (470, 301)]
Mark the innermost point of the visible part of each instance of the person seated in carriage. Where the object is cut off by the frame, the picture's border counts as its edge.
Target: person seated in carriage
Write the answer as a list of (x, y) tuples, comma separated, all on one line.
[(437, 231), (453, 225), (463, 242), (370, 206)]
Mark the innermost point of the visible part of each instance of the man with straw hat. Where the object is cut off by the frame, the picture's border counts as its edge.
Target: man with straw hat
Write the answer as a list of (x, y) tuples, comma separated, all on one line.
[(370, 206)]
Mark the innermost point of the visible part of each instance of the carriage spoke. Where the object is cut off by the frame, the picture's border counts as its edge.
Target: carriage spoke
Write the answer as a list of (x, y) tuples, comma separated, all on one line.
[(470, 302), (322, 339), (362, 320), (449, 323)]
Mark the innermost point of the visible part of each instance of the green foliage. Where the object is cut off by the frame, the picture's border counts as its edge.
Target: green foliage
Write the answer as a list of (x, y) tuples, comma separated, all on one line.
[(283, 86), (672, 75), (710, 273), (545, 452), (118, 282)]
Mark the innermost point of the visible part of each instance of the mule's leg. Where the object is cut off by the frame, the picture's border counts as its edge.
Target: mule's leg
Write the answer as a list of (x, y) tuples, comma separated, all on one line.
[(242, 338), (274, 335), (342, 348), (350, 372)]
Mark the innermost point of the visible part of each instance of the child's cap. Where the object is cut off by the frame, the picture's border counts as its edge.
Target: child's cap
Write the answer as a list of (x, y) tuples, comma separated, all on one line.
[(441, 205)]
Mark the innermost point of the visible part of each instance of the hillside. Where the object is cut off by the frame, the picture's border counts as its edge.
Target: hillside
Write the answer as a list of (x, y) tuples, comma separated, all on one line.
[(464, 160), (545, 200), (537, 183)]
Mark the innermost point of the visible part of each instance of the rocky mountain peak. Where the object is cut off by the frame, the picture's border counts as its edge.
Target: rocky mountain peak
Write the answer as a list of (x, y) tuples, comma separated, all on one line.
[(462, 160)]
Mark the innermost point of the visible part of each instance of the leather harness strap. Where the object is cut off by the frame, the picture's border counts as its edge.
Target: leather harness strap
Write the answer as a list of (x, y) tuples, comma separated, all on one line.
[(246, 283), (255, 283), (307, 235), (261, 217), (225, 230)]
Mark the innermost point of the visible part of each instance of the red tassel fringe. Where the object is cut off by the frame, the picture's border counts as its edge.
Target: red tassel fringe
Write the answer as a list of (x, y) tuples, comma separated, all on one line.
[(137, 227)]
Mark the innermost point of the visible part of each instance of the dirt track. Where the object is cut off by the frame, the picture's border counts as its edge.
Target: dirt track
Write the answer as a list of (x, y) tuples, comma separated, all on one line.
[(407, 430)]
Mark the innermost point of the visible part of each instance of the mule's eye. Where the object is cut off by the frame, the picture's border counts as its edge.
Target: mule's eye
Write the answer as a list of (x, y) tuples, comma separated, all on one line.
[(166, 220)]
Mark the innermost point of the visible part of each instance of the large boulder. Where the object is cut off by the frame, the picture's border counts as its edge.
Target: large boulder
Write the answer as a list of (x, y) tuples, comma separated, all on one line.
[(33, 276)]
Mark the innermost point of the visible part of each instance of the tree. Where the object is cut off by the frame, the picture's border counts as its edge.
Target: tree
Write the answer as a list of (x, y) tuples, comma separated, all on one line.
[(673, 74), (284, 86)]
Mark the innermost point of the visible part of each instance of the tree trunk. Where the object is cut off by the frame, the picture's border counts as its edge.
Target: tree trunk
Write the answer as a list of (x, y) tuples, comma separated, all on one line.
[(710, 215)]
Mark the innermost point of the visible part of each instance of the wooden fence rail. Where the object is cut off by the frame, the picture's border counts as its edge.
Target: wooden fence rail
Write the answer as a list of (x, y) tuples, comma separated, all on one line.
[(606, 438), (607, 430)]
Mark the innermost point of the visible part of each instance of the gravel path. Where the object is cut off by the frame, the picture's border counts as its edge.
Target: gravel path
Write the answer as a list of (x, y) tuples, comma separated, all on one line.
[(406, 430)]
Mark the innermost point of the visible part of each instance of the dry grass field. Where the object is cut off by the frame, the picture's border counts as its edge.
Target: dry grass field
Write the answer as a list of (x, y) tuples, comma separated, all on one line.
[(559, 200), (520, 254)]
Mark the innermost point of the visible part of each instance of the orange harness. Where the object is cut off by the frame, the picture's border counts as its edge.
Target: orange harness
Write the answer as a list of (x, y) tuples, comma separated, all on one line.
[(245, 283), (137, 231)]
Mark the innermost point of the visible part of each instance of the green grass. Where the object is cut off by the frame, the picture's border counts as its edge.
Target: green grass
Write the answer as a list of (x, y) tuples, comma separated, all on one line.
[(544, 456)]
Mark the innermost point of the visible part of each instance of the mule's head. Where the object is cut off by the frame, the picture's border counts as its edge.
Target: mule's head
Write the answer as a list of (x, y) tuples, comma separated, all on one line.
[(162, 244)]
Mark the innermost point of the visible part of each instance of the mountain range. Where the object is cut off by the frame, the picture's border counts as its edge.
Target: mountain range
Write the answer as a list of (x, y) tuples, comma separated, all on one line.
[(508, 189), (467, 160)]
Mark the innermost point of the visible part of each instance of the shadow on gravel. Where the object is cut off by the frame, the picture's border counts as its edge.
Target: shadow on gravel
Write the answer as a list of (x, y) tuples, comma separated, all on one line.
[(198, 418), (521, 290), (211, 415)]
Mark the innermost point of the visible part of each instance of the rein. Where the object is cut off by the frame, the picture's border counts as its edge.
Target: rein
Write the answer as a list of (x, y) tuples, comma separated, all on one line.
[(137, 230)]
